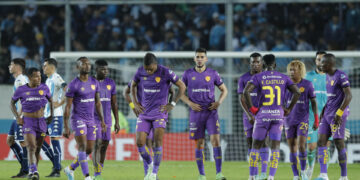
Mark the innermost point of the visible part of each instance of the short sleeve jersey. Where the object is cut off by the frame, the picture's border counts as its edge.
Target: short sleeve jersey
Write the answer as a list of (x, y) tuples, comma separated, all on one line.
[(32, 99), (107, 90)]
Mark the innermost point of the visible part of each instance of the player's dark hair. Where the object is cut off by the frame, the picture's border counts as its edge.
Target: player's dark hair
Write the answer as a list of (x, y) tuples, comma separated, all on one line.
[(255, 55), (330, 57), (20, 62), (101, 62), (269, 59), (200, 50), (31, 70), (149, 59), (51, 61), (81, 58), (320, 52)]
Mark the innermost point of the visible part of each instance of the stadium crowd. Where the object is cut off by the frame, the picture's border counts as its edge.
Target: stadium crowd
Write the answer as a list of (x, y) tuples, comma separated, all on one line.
[(31, 31)]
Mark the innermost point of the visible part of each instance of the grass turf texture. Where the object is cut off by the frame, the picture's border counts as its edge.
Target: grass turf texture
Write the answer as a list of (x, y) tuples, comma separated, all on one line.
[(172, 170)]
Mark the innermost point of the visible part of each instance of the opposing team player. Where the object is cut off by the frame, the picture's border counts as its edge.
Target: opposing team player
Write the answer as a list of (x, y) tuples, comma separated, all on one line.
[(108, 100), (297, 122), (201, 82), (17, 68), (334, 115), (153, 109), (33, 97), (269, 116), (150, 137), (57, 86), (83, 93), (256, 66), (318, 78)]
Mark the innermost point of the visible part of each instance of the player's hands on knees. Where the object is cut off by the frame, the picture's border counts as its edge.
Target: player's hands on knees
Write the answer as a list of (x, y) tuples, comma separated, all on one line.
[(166, 108), (138, 108), (338, 120), (20, 121), (195, 107), (49, 120), (214, 105), (66, 132), (103, 126), (116, 128)]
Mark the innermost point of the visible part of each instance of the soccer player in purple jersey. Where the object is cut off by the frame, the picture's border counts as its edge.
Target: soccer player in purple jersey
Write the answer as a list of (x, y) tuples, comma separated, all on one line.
[(154, 107), (108, 100), (150, 138), (256, 66), (269, 116), (297, 122), (83, 93), (17, 68), (201, 82), (33, 97), (334, 115)]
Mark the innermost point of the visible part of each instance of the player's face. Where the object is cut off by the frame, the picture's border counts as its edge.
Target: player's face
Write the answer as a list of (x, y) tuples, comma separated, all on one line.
[(256, 64), (102, 71), (200, 59), (84, 66), (295, 72), (46, 68), (35, 78), (318, 61), (325, 65), (150, 69), (12, 67)]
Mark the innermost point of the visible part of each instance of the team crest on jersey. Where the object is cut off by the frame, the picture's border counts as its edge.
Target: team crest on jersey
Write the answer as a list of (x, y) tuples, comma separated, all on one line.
[(27, 93), (81, 131), (157, 79), (193, 78), (93, 87), (207, 78), (302, 89), (108, 87), (332, 82), (145, 78), (192, 134), (82, 88), (41, 92)]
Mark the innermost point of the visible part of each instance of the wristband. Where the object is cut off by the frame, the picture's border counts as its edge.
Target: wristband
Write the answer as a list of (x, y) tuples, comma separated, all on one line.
[(339, 112), (132, 106), (316, 120), (254, 109), (173, 103)]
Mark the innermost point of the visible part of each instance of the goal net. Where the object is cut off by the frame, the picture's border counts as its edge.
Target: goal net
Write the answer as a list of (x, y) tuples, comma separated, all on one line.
[(230, 65)]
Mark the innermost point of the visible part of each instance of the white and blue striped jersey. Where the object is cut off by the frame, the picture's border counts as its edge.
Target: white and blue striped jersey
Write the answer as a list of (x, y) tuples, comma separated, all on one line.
[(19, 81), (55, 84)]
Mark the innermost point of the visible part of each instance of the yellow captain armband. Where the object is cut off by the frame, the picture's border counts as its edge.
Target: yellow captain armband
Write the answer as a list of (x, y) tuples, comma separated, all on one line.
[(132, 105), (339, 112)]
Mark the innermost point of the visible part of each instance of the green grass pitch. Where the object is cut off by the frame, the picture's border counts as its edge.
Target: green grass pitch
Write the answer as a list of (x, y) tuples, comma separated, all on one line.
[(173, 170)]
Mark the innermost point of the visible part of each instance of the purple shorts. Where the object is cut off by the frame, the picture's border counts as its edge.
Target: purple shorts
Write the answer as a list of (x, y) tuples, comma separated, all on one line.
[(151, 134), (201, 121), (328, 127), (295, 130), (148, 125), (271, 128), (83, 128), (35, 126), (106, 136), (248, 127)]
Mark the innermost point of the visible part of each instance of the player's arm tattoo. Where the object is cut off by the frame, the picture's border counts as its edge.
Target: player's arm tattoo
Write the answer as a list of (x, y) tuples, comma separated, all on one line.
[(248, 88), (347, 98), (295, 96)]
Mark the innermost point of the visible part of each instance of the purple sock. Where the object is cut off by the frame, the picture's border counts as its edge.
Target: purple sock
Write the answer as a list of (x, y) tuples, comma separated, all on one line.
[(33, 168), (144, 153), (294, 161), (264, 155), (302, 157), (75, 163), (342, 162), (323, 159), (98, 169), (157, 159), (199, 156), (253, 160), (218, 158), (274, 161), (83, 163)]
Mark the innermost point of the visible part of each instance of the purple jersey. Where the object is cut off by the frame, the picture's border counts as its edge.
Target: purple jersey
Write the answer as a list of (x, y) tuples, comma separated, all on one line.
[(243, 80), (83, 94), (107, 88), (201, 86), (32, 99), (335, 93), (300, 112), (273, 85), (155, 91)]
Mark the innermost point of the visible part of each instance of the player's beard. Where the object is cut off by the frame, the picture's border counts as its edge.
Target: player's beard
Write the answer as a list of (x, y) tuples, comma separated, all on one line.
[(200, 66)]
